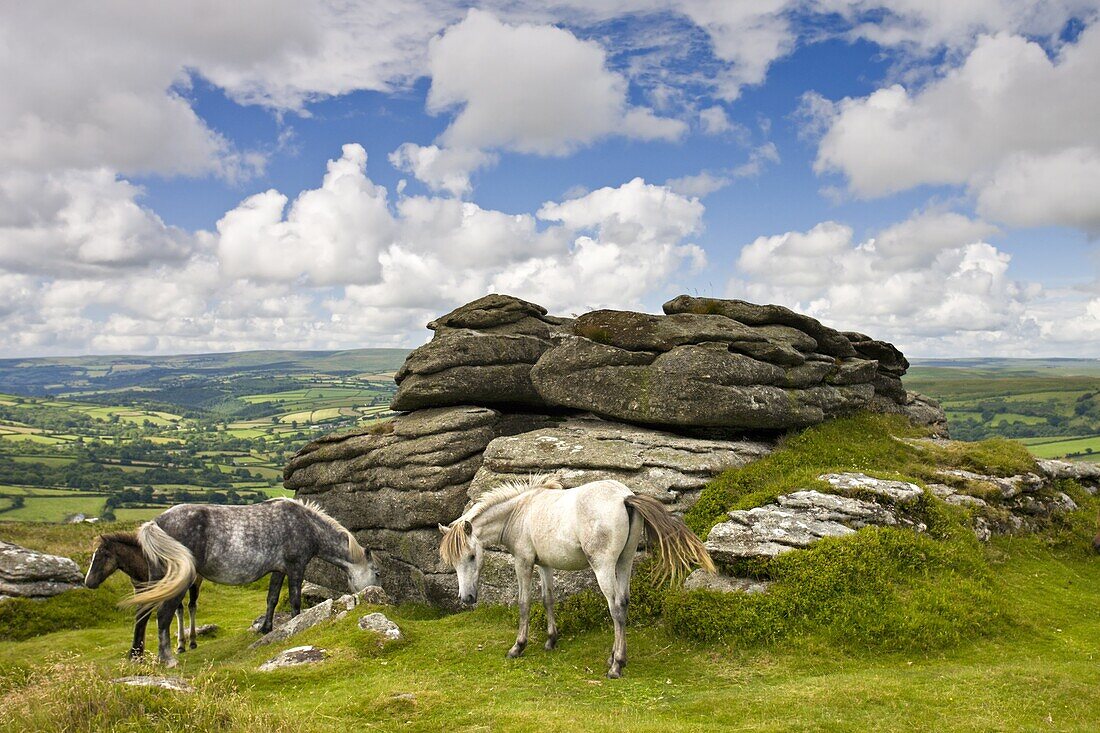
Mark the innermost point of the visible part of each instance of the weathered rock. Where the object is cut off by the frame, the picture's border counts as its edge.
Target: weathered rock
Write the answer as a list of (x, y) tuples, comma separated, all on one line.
[(859, 483), (1085, 473), (669, 467), (30, 574), (381, 625), (323, 611), (688, 386), (294, 657), (313, 593), (796, 521), (277, 620), (829, 341), (702, 580), (919, 409), (482, 354), (175, 684)]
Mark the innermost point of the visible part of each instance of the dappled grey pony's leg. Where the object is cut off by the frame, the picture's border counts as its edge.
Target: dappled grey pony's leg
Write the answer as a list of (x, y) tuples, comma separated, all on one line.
[(294, 581), (192, 606), (274, 588), (523, 576), (546, 576), (181, 630)]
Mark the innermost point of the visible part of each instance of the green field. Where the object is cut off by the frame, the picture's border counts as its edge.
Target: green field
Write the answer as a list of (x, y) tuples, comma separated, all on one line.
[(55, 508)]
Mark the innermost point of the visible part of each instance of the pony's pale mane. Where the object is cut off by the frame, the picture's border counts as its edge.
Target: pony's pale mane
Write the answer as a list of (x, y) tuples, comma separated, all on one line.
[(354, 549), (509, 490), (454, 544)]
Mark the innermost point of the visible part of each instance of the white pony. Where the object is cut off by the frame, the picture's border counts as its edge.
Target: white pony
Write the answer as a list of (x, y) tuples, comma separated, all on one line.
[(596, 525)]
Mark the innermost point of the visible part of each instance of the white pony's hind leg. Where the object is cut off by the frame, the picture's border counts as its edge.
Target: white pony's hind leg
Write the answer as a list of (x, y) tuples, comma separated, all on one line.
[(606, 577), (546, 576)]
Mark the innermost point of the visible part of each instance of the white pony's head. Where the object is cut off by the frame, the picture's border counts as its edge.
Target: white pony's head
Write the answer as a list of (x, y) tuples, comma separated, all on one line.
[(462, 550)]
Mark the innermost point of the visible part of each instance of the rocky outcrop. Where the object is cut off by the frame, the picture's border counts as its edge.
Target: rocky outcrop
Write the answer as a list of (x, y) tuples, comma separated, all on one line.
[(482, 354), (998, 505), (663, 403), (324, 611), (29, 574)]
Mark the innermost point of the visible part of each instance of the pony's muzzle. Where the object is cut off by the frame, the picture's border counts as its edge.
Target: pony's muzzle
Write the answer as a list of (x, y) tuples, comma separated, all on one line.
[(469, 598)]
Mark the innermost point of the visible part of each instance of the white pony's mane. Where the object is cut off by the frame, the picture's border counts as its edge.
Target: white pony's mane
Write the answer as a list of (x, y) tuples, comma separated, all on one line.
[(509, 490), (454, 544), (356, 551)]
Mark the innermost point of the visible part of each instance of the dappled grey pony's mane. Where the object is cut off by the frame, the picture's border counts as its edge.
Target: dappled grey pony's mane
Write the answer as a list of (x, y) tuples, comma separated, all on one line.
[(454, 543), (356, 551)]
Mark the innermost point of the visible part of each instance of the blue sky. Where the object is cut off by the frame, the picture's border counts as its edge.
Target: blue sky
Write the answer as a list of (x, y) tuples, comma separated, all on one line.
[(328, 175)]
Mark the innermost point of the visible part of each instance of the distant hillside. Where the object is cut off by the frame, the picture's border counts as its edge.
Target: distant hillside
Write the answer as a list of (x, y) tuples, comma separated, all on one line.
[(1051, 405), (86, 375)]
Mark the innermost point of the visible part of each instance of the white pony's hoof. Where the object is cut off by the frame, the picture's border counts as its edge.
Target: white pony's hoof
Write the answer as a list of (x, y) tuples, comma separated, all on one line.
[(171, 663)]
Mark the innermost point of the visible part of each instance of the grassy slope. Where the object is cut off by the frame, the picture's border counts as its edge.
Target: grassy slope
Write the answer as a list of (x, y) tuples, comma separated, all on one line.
[(1035, 665)]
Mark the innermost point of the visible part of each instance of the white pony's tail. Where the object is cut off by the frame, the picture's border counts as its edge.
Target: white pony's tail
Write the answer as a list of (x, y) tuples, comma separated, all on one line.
[(163, 551), (678, 549)]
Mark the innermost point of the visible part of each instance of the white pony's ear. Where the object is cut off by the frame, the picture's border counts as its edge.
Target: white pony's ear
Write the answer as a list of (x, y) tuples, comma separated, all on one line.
[(374, 557), (467, 528), (443, 528)]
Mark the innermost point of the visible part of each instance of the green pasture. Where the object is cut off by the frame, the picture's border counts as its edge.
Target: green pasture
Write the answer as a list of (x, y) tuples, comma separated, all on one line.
[(55, 508), (1062, 448)]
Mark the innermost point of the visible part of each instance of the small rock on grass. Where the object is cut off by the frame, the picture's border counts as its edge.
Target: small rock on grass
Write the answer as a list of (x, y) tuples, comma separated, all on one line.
[(294, 657), (206, 630), (379, 624), (165, 683)]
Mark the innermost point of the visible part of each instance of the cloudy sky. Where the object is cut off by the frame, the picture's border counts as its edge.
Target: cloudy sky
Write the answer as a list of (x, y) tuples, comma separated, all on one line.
[(203, 175)]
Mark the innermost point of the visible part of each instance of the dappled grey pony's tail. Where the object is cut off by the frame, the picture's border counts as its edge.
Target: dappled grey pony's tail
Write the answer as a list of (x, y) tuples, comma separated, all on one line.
[(678, 549), (164, 552)]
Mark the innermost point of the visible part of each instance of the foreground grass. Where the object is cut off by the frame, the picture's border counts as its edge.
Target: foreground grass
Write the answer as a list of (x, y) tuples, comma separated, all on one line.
[(1042, 673)]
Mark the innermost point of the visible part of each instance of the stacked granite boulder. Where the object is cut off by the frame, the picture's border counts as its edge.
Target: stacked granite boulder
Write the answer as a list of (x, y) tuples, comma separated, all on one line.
[(661, 402)]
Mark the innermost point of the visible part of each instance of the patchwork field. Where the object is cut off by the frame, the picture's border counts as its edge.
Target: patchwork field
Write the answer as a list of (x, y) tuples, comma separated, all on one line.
[(1051, 405), (126, 437)]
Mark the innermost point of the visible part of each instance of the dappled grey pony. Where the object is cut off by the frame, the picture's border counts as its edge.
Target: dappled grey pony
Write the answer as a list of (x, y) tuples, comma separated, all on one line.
[(237, 545), (121, 551), (596, 525)]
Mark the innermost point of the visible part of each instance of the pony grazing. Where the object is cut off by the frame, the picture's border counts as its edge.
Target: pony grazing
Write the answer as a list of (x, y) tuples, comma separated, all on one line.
[(597, 525), (237, 545), (121, 551)]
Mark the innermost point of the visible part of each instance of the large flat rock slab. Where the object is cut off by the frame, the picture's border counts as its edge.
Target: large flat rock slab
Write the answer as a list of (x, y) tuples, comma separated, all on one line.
[(31, 574), (669, 467)]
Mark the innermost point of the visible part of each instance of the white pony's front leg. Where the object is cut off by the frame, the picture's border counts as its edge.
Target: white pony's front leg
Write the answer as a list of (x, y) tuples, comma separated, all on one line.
[(523, 577)]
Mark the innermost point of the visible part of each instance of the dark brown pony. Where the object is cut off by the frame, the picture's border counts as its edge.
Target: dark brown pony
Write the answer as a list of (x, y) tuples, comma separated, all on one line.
[(121, 551)]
